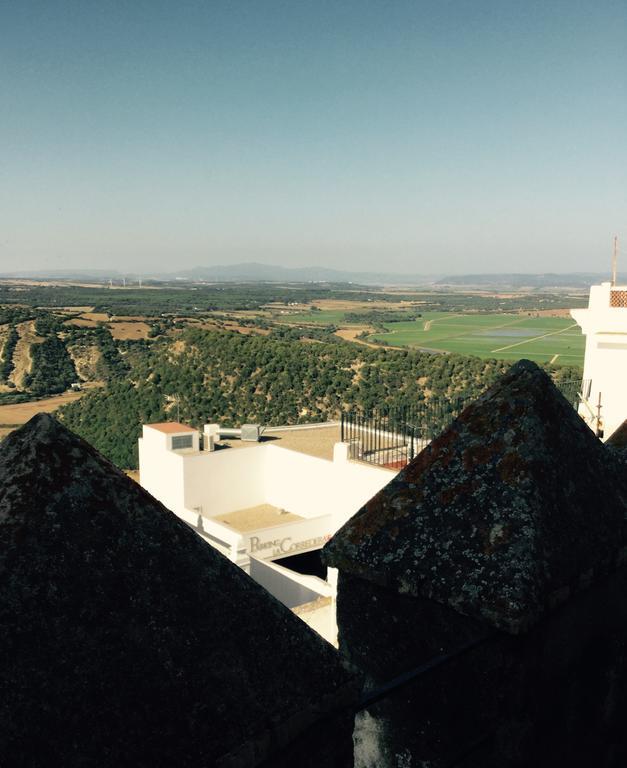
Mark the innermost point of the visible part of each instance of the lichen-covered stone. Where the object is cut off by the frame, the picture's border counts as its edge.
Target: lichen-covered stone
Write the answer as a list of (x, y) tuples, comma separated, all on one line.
[(125, 640), (513, 507)]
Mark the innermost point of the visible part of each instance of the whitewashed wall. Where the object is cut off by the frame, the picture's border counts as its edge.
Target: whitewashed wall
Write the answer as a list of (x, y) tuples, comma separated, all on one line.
[(309, 486), (161, 471), (200, 486), (290, 588), (605, 362), (222, 481)]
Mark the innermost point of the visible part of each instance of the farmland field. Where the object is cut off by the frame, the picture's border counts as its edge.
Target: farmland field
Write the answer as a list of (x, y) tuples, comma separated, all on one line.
[(502, 336), (322, 317), (19, 413)]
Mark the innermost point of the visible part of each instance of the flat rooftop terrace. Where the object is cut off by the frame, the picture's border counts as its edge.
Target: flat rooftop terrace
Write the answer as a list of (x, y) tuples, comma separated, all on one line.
[(253, 518), (312, 439)]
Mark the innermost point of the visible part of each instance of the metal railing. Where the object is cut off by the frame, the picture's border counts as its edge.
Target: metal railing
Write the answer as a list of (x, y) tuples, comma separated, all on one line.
[(392, 437), (573, 390)]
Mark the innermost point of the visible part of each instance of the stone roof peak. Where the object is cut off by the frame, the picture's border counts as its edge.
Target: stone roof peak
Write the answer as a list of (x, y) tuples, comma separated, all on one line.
[(127, 640), (512, 506)]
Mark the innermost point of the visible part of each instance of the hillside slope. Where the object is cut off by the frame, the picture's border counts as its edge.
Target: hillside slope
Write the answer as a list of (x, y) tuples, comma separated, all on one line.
[(231, 378)]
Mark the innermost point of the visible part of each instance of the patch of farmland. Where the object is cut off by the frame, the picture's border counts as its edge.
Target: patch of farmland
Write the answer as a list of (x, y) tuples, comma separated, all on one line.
[(503, 336), (101, 317), (19, 413), (81, 322), (132, 330)]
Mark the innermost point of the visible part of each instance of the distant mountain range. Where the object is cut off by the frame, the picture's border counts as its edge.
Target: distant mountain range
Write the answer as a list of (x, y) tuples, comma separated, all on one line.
[(254, 272), (521, 281), (271, 273)]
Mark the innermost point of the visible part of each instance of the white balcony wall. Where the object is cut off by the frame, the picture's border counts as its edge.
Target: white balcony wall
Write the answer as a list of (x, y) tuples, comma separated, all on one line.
[(310, 487), (222, 481), (290, 588)]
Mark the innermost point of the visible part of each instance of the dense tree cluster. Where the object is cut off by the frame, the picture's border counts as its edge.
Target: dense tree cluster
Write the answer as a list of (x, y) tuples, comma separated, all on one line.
[(48, 324), (52, 368), (6, 364), (198, 299), (378, 317), (302, 333), (112, 364), (16, 314), (111, 418)]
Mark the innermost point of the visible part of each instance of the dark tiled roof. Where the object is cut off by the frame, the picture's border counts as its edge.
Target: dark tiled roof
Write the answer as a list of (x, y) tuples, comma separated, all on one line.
[(515, 504), (124, 638)]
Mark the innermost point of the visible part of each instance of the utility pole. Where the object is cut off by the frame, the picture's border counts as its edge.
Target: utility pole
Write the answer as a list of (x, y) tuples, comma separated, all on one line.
[(614, 259)]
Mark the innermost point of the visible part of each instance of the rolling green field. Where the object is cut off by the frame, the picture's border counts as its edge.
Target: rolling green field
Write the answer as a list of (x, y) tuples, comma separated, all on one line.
[(503, 336)]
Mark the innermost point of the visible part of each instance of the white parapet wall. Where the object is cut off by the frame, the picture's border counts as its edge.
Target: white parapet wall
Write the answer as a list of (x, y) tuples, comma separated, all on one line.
[(292, 589), (218, 482), (310, 487), (203, 488), (604, 324), (312, 598)]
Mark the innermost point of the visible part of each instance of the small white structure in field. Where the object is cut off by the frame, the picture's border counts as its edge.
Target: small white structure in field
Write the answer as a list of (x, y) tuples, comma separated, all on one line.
[(604, 389), (258, 504)]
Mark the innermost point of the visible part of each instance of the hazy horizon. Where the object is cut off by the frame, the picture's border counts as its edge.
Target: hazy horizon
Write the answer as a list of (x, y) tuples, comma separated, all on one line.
[(408, 137)]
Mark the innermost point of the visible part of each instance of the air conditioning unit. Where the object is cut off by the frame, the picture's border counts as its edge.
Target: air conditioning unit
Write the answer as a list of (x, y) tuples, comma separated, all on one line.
[(251, 432)]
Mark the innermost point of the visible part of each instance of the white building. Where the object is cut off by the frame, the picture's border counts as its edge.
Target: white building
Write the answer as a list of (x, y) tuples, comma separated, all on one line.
[(259, 504), (604, 324)]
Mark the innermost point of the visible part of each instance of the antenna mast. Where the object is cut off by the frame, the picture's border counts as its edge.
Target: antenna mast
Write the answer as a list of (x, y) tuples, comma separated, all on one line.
[(614, 259)]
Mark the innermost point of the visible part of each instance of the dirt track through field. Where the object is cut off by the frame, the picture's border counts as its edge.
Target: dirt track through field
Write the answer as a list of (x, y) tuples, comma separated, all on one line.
[(350, 334), (429, 323), (22, 360)]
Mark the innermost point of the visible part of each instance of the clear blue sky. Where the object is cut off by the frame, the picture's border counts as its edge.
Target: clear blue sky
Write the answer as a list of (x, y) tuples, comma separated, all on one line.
[(422, 136)]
